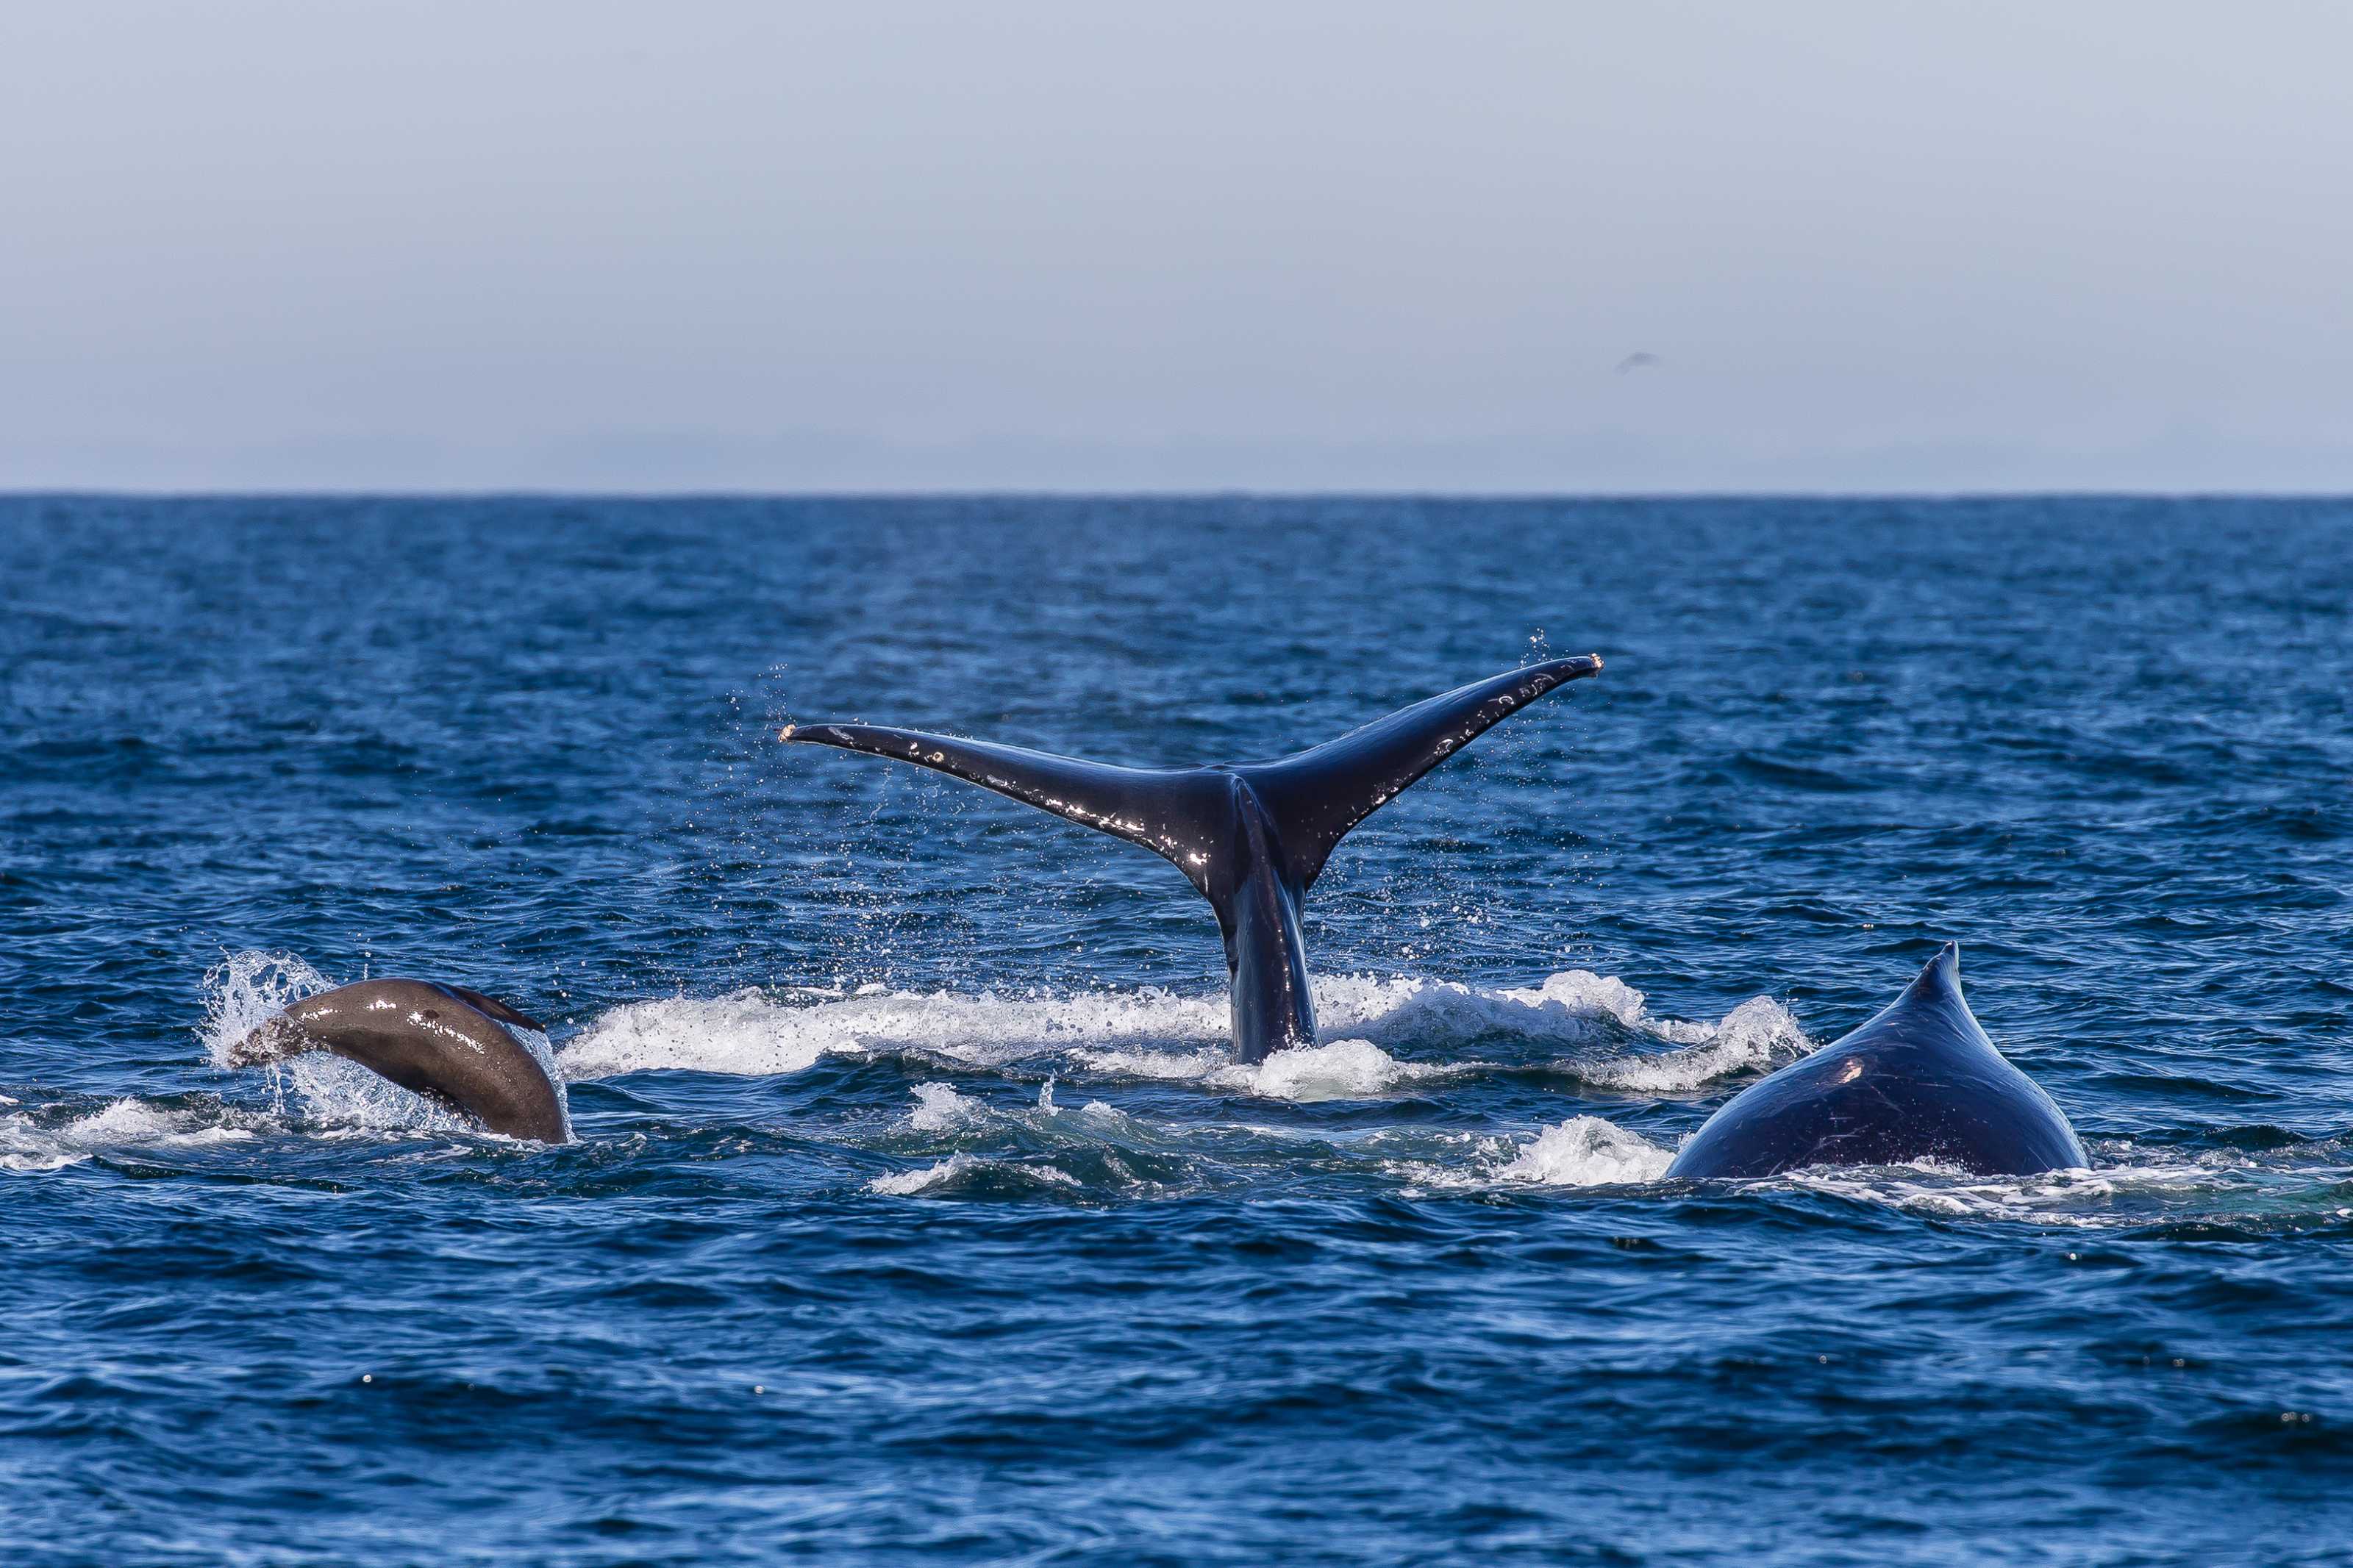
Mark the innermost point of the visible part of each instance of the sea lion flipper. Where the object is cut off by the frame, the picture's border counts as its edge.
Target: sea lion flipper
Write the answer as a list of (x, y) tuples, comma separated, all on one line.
[(491, 1006)]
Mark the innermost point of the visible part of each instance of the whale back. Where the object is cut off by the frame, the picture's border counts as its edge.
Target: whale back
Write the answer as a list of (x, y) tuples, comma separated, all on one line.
[(431, 1039), (1920, 1080)]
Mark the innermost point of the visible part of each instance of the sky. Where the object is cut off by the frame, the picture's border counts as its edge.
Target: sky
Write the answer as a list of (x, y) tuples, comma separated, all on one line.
[(737, 245)]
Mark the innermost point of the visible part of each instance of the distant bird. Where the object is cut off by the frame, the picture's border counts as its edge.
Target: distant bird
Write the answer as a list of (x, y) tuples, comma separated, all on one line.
[(1637, 362)]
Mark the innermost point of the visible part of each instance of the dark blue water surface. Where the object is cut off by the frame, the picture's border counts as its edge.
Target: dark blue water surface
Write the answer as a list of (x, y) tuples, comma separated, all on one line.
[(919, 1212)]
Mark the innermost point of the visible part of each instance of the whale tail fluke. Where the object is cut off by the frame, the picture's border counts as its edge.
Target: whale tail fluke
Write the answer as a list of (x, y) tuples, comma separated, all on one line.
[(1251, 836), (1188, 815), (1317, 796), (1173, 812)]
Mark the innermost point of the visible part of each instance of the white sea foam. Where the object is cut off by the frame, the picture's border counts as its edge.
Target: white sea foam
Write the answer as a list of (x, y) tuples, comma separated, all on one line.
[(906, 1183), (1153, 1034), (1344, 1069), (956, 1169), (1582, 1151), (940, 1109), (754, 1033), (1755, 1036), (27, 1143), (2135, 1188), (2131, 1187), (1587, 1152)]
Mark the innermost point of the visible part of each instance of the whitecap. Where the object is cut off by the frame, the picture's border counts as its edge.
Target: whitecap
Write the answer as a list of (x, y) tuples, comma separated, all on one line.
[(956, 1169), (1587, 1152), (750, 1032), (906, 1183), (940, 1109), (1753, 1037), (2222, 1186), (1344, 1069)]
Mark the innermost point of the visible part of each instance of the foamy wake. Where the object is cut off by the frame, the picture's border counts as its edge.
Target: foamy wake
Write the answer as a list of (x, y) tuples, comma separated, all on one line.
[(1611, 1037), (246, 990), (958, 1169), (1039, 1135), (972, 1145), (1582, 1151), (757, 1032), (971, 1142), (32, 1142), (2130, 1185), (1587, 1152)]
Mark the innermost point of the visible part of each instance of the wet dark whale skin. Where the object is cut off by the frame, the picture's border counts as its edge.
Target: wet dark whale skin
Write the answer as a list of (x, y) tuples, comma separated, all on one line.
[(1919, 1081), (445, 1042)]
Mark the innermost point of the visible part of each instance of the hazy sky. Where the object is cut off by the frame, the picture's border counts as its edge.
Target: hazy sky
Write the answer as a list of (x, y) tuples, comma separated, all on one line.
[(1873, 246)]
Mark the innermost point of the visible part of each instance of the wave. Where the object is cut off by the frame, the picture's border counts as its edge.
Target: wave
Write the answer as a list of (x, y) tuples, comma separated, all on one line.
[(2131, 1186), (973, 1145), (978, 1148), (1582, 1151), (1587, 1152), (41, 1141), (755, 1032), (962, 1173), (1593, 1029), (966, 1146), (1153, 1034)]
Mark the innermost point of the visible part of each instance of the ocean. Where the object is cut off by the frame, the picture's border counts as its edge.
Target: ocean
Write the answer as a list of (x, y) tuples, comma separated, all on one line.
[(919, 1212)]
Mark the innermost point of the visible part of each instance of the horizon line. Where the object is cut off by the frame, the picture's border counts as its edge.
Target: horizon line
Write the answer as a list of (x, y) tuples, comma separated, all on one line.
[(1055, 492)]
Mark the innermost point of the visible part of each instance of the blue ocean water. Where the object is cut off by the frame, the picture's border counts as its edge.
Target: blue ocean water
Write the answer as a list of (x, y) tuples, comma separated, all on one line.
[(919, 1213)]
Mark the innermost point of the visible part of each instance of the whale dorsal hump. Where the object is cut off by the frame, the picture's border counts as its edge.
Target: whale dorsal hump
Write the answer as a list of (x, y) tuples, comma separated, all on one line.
[(1939, 979)]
